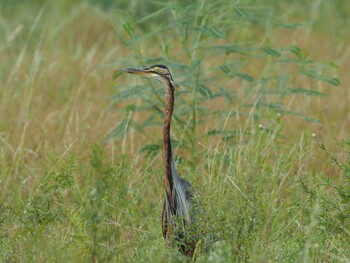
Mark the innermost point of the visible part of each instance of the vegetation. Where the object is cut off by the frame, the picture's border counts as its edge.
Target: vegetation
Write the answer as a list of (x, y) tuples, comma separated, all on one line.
[(260, 129)]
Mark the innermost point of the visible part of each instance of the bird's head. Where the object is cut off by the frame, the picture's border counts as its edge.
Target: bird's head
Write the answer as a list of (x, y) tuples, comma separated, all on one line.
[(159, 72)]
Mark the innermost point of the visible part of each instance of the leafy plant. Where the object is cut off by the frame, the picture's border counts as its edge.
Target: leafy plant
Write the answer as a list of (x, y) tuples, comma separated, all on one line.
[(221, 61)]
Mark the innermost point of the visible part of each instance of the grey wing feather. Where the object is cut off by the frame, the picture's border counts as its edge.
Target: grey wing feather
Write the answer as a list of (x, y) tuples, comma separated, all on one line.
[(182, 197)]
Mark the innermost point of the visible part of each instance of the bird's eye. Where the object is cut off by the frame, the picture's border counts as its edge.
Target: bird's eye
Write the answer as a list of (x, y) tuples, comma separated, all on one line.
[(158, 70)]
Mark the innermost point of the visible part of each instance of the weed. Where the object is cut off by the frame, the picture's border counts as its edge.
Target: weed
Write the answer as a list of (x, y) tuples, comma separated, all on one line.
[(255, 95)]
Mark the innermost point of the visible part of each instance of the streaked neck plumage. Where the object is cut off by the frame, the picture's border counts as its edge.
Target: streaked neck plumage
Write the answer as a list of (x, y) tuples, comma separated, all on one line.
[(167, 149)]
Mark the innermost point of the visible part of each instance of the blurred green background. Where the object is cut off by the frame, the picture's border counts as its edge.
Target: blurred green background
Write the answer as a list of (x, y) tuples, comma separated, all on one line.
[(260, 129)]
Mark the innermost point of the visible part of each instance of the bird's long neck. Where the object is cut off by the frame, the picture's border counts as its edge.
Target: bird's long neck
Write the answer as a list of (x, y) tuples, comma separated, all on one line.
[(167, 150)]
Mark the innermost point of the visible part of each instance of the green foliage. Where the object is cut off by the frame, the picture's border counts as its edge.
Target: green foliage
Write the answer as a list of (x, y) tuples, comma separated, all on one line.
[(233, 35), (328, 204), (35, 216)]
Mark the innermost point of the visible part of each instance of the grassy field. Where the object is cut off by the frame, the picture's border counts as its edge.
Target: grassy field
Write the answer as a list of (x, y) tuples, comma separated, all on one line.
[(261, 129)]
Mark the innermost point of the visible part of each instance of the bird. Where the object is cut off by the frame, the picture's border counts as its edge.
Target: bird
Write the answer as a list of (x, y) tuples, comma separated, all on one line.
[(178, 210)]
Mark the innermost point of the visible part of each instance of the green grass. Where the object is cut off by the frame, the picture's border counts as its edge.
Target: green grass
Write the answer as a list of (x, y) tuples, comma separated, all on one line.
[(260, 129)]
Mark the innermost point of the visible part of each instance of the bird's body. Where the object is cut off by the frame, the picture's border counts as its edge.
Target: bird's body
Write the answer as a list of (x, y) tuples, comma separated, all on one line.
[(177, 213)]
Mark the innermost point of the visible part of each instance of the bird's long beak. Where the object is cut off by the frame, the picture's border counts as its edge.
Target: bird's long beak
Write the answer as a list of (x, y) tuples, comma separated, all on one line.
[(138, 71)]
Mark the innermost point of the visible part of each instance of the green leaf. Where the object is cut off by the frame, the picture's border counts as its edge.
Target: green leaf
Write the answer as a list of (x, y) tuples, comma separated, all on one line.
[(233, 48), (150, 121), (136, 126), (205, 91), (271, 105), (210, 32), (270, 51), (307, 92), (228, 94), (120, 130), (226, 135), (194, 65), (129, 28), (117, 73), (291, 25), (128, 93), (228, 71), (151, 148), (307, 118), (158, 12), (314, 75), (215, 132), (333, 81), (241, 13), (245, 76), (217, 33), (294, 50)]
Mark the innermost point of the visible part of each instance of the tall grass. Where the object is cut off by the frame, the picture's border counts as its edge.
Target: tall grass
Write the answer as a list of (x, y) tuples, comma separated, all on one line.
[(256, 128)]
